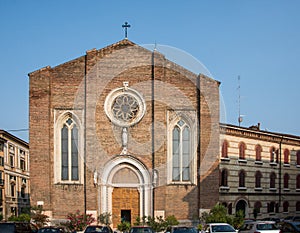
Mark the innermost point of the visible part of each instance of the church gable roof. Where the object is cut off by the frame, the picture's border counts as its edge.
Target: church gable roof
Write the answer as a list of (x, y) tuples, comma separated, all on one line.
[(125, 43)]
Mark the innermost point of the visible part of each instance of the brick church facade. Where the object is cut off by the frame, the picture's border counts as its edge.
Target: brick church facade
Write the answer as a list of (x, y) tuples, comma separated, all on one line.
[(126, 131)]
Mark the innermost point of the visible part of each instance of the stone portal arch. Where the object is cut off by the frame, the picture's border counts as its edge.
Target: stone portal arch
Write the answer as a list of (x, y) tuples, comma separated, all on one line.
[(126, 174), (242, 205)]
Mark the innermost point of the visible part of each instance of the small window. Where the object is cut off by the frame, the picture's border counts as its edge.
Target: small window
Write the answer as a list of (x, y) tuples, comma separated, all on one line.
[(22, 164), (242, 176), (23, 192), (242, 149), (11, 160), (1, 146), (257, 206), (286, 206), (273, 155), (258, 151), (258, 177), (272, 180), (286, 158), (271, 207), (298, 157), (298, 206), (1, 161), (286, 181), (224, 177), (298, 182), (225, 149)]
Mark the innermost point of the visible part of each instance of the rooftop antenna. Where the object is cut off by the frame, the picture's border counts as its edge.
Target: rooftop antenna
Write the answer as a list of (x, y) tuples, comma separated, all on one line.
[(240, 118)]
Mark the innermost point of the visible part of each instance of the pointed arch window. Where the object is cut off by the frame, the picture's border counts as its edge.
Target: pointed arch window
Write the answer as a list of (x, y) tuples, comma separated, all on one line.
[(181, 152), (69, 151)]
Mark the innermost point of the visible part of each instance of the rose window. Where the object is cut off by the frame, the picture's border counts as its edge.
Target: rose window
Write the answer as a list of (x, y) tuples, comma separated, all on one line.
[(125, 107)]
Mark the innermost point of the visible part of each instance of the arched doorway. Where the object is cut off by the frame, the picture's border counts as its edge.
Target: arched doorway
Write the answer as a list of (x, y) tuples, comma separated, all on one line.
[(125, 189), (242, 205)]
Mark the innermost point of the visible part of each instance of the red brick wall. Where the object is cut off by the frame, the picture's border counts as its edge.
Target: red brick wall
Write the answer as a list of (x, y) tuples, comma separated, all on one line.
[(57, 88)]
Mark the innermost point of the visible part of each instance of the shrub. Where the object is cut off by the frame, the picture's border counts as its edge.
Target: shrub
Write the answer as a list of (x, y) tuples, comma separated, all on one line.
[(38, 217), (124, 226), (105, 218), (158, 224), (78, 221), (219, 214), (20, 218)]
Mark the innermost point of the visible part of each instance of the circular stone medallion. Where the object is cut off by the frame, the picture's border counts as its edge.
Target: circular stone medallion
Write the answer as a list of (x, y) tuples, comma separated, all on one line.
[(124, 106)]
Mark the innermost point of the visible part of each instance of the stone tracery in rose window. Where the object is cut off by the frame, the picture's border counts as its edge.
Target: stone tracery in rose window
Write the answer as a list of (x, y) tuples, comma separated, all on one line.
[(125, 107)]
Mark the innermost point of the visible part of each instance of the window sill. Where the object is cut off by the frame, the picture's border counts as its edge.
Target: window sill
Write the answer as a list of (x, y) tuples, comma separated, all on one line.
[(298, 165), (273, 164), (224, 188), (242, 188), (286, 189), (180, 183), (273, 189), (258, 189), (286, 165), (68, 183), (225, 159), (242, 160), (297, 190), (258, 162)]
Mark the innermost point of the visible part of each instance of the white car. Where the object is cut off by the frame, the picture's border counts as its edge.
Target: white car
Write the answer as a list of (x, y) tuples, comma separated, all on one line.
[(219, 227), (260, 227)]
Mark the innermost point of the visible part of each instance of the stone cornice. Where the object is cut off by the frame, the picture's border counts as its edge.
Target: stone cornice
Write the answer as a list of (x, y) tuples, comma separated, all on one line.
[(227, 129)]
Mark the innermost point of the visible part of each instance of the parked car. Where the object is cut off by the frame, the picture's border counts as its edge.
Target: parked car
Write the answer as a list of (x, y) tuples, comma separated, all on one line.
[(96, 229), (181, 229), (17, 227), (52, 229), (292, 219), (219, 227), (290, 227), (260, 227), (141, 229), (274, 219)]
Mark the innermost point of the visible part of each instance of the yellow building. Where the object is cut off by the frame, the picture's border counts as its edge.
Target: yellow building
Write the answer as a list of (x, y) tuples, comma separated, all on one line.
[(14, 175), (259, 172)]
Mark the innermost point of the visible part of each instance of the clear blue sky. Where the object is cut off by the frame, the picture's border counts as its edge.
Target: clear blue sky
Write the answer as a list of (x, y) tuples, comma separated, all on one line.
[(256, 39)]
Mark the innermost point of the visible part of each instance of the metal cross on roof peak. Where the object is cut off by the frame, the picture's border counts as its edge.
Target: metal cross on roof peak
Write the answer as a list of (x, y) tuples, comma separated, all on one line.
[(126, 25)]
